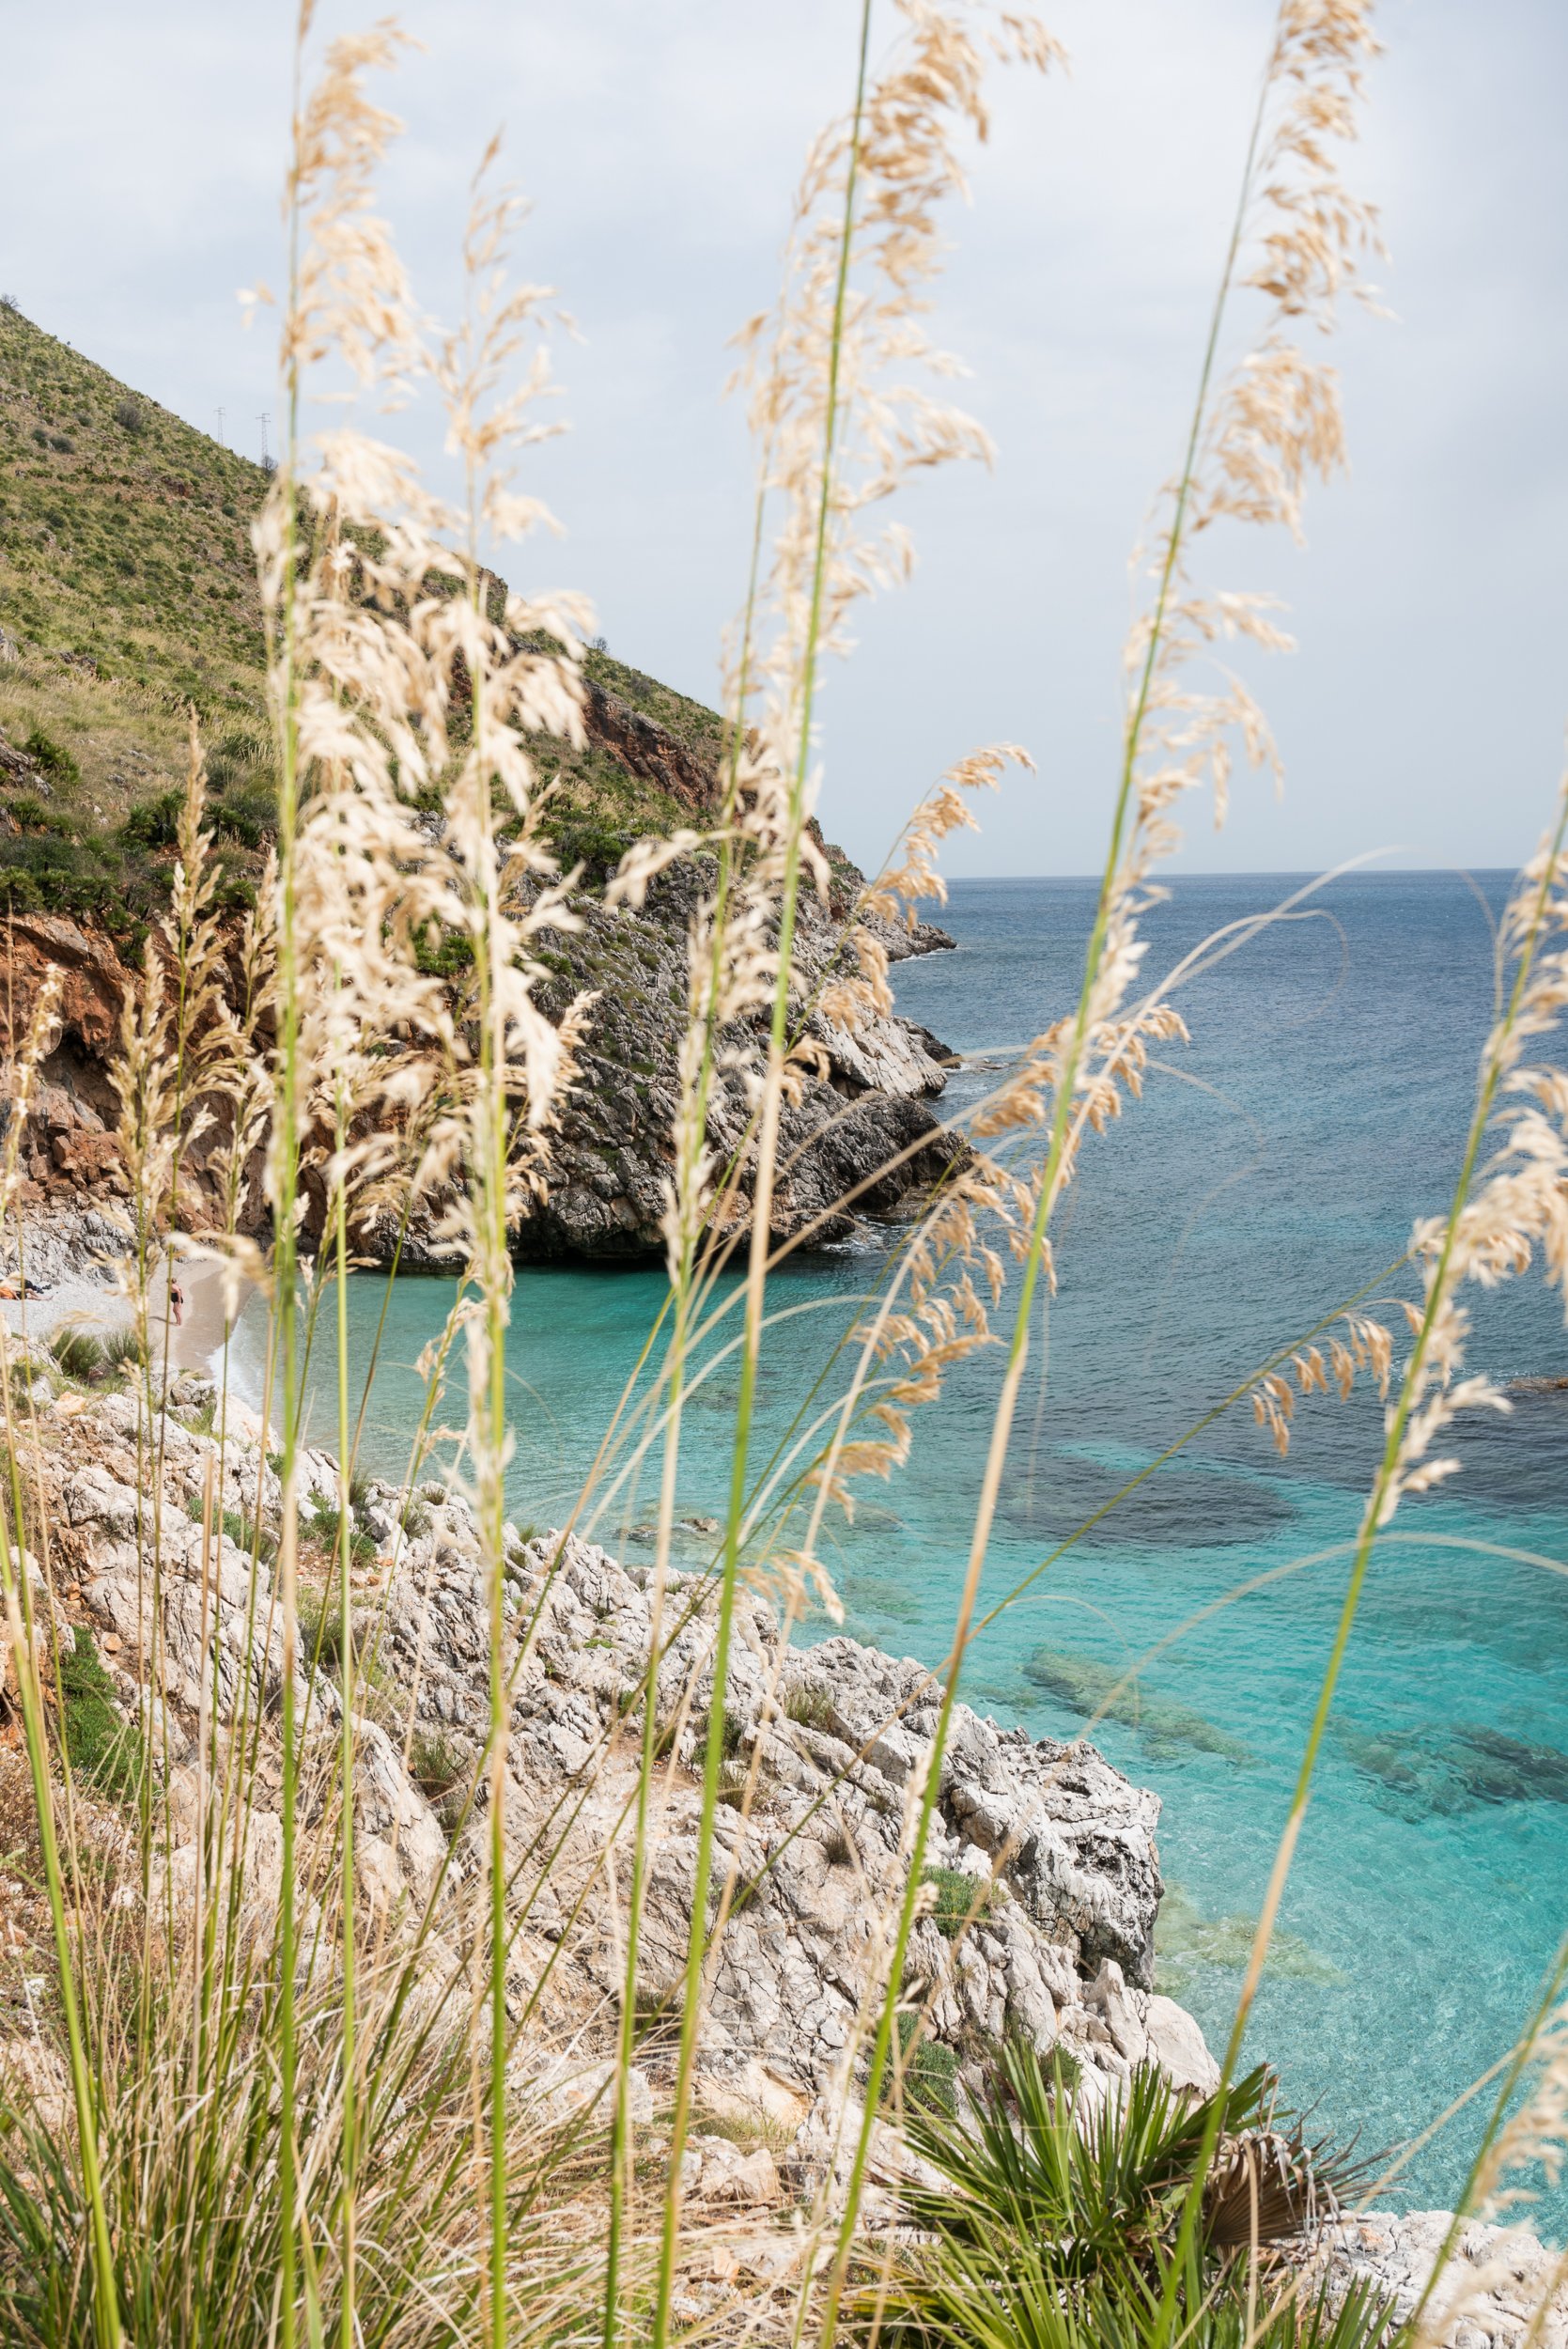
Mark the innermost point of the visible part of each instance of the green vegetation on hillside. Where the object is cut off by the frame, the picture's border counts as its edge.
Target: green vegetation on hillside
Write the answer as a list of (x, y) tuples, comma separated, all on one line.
[(128, 596), (692, 723), (124, 530)]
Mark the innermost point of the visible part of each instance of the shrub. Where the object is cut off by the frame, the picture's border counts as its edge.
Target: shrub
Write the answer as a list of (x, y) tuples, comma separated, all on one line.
[(326, 1519), (323, 1646), (443, 954), (598, 847), (31, 814), (1056, 2224), (957, 1894), (730, 1736), (321, 1621), (131, 416), (248, 815), (809, 1703), (154, 823), (43, 871), (123, 1350), (104, 1749), (436, 1764), (247, 1534), (930, 2075), (24, 1375), (52, 757)]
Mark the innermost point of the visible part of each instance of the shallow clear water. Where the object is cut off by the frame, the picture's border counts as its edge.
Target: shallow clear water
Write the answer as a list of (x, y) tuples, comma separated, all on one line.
[(1273, 1170)]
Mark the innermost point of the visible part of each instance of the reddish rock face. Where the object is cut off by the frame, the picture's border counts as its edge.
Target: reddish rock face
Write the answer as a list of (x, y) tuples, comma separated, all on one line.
[(646, 750), (93, 982), (67, 1152)]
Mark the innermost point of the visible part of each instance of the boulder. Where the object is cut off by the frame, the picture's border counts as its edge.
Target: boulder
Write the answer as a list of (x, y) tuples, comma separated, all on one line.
[(1179, 2049)]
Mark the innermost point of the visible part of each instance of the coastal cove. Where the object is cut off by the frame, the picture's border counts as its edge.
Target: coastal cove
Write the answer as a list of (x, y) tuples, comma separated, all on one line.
[(1273, 1170)]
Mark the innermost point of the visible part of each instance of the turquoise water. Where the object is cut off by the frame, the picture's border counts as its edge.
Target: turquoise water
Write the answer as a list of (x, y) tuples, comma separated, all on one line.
[(1275, 1169)]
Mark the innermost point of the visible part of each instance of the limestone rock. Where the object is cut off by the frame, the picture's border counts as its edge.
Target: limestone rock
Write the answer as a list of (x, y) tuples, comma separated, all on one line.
[(1178, 2046), (605, 1183), (715, 2169), (827, 1749), (1499, 2289)]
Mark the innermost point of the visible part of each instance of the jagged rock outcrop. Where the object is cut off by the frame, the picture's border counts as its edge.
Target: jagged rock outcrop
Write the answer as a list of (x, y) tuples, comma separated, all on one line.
[(642, 747), (826, 1747), (1048, 1850), (67, 1150), (857, 1142), (861, 1142), (1500, 2289)]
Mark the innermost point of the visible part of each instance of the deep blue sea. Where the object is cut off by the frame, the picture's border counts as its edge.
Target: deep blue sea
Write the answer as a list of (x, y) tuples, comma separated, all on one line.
[(1273, 1167)]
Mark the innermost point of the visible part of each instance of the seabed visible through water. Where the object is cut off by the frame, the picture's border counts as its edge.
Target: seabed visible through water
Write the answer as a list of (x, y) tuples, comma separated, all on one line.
[(1431, 1885)]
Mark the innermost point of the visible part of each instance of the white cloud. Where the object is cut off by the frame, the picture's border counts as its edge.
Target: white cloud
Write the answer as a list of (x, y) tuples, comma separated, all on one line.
[(660, 139)]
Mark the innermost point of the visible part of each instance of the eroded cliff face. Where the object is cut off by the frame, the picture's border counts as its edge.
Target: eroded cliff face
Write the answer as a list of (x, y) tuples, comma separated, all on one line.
[(68, 1151), (861, 1142)]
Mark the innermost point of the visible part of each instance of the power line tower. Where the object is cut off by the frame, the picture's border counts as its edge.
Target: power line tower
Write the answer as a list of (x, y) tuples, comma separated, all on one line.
[(264, 420), (222, 441)]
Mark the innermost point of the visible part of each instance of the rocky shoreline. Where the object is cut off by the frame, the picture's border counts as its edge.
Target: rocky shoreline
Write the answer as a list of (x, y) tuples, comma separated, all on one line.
[(859, 1140), (1046, 1850), (1057, 1848)]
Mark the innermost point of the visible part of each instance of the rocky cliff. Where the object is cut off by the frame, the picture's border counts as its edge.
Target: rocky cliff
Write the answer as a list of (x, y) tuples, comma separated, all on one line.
[(857, 1142), (1041, 1890), (861, 1142), (98, 670)]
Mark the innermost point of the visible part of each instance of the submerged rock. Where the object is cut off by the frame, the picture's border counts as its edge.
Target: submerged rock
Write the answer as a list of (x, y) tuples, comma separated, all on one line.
[(1083, 1685)]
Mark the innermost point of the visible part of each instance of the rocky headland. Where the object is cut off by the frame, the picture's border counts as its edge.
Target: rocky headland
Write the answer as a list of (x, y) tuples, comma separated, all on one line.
[(860, 1140)]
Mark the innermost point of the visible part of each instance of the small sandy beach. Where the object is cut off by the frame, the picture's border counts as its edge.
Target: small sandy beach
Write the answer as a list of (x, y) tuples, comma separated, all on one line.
[(87, 1299)]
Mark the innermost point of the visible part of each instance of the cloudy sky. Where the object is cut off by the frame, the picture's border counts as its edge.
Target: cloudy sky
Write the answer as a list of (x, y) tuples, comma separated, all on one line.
[(1424, 712)]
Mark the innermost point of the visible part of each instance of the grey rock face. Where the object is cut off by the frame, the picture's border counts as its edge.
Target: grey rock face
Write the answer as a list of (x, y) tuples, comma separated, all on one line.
[(1074, 1839), (1499, 2289), (858, 1142), (827, 1749)]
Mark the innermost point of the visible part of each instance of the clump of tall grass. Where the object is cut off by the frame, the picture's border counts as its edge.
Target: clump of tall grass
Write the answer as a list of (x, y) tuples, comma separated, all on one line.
[(78, 1352), (286, 2119)]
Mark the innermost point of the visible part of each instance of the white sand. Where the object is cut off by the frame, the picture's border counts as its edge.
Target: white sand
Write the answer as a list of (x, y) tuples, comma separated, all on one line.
[(81, 1301)]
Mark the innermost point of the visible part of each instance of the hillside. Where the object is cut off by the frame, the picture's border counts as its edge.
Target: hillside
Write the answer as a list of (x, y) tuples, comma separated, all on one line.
[(128, 594), (128, 597)]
